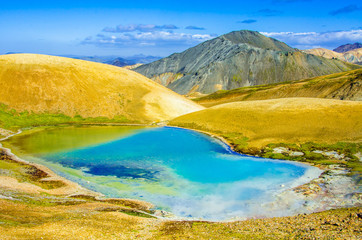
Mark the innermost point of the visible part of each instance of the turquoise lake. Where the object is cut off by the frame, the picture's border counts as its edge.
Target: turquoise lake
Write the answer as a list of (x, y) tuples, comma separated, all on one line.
[(181, 171)]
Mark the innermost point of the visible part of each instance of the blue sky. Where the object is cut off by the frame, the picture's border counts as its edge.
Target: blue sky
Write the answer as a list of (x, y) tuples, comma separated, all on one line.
[(160, 28)]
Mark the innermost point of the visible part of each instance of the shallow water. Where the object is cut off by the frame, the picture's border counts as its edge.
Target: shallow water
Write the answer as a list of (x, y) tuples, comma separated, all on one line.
[(182, 171)]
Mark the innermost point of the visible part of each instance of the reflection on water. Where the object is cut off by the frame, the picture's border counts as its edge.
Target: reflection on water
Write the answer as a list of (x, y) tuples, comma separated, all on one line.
[(182, 171), (66, 138)]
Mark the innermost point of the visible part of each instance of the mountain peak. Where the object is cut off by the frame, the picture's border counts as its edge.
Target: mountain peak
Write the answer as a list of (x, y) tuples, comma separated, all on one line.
[(347, 47), (237, 59), (256, 39)]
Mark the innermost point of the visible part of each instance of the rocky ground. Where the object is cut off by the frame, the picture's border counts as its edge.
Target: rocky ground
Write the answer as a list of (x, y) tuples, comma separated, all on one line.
[(5, 133), (336, 186)]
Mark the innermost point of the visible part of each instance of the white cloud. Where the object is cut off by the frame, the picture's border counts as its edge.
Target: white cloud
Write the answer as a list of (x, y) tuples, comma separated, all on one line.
[(304, 40), (154, 38)]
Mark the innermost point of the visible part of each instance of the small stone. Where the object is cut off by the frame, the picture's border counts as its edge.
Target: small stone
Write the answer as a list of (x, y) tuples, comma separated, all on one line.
[(280, 150), (296, 154), (317, 151)]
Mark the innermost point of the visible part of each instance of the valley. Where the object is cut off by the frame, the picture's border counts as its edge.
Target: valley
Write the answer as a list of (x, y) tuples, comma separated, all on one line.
[(94, 151)]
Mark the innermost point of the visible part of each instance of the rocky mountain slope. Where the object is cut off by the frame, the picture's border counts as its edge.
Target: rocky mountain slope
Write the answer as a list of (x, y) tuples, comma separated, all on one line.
[(347, 47), (352, 56), (343, 86), (237, 59), (48, 84)]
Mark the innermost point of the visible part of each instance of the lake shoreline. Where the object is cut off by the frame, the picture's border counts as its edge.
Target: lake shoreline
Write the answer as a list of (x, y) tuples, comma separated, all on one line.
[(312, 191), (305, 190), (70, 188)]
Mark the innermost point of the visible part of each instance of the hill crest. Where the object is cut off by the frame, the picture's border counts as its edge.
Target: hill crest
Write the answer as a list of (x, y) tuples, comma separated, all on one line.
[(343, 86), (285, 120), (256, 39), (41, 83)]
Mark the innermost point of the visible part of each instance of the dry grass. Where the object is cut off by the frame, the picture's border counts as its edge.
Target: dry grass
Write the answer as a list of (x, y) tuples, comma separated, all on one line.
[(40, 83), (287, 120), (346, 85), (335, 224), (104, 221), (81, 221)]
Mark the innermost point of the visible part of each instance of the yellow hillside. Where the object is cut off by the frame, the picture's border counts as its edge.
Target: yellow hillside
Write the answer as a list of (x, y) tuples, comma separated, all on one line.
[(352, 56), (323, 52), (288, 120), (345, 86), (40, 83)]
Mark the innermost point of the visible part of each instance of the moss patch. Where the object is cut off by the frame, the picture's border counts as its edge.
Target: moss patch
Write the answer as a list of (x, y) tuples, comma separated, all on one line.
[(316, 153), (11, 119)]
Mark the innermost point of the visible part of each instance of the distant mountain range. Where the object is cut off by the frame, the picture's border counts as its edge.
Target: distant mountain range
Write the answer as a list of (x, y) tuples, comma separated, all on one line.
[(130, 61), (237, 59), (120, 62), (351, 56), (113, 60), (117, 61), (347, 47)]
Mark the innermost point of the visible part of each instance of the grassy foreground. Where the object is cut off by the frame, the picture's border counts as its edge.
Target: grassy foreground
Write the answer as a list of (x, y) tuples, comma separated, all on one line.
[(345, 86), (89, 220)]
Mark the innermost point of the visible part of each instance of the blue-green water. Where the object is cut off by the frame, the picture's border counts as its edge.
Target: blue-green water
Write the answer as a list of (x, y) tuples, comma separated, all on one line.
[(182, 171)]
